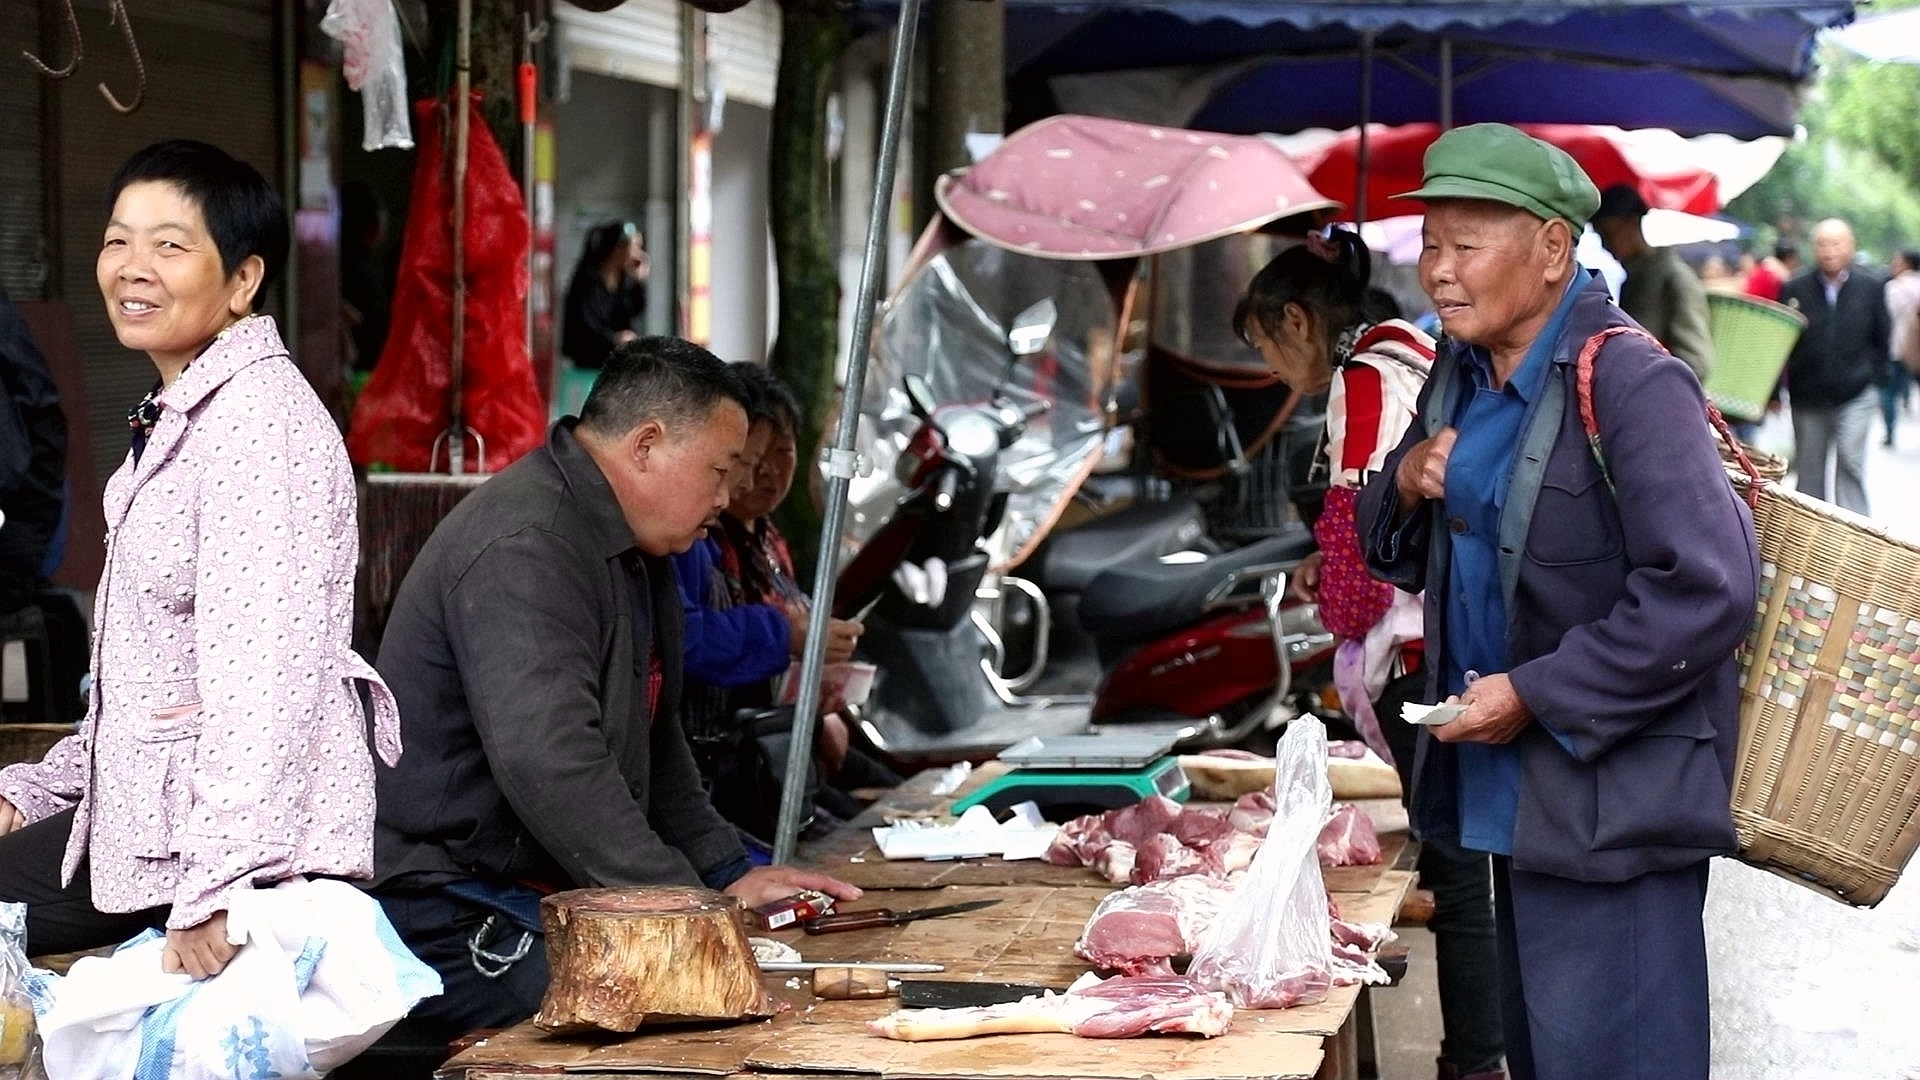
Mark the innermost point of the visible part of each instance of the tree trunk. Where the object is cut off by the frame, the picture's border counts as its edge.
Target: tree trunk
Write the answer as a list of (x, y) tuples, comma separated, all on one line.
[(621, 958), (813, 33), (495, 47)]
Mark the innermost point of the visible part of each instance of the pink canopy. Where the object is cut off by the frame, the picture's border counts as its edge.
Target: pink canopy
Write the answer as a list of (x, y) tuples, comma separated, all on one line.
[(1081, 187)]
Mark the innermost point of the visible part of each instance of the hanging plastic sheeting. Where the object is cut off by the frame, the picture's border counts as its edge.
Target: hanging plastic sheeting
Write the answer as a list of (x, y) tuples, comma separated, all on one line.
[(949, 323), (369, 33), (406, 405)]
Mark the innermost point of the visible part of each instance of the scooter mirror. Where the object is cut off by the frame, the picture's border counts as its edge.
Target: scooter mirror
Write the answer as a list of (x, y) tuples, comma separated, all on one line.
[(1032, 327), (919, 395)]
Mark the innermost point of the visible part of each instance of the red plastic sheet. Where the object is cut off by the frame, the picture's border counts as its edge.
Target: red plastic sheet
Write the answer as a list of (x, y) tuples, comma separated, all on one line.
[(407, 404)]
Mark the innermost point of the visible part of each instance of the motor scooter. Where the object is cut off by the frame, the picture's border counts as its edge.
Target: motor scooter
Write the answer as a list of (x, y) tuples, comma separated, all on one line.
[(1193, 643)]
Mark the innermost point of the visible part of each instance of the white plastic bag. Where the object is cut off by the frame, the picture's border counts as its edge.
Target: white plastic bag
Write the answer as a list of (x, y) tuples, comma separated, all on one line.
[(1272, 947), (320, 975), (369, 32)]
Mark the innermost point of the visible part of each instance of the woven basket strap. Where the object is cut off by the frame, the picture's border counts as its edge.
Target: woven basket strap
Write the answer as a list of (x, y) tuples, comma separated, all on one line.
[(1590, 421)]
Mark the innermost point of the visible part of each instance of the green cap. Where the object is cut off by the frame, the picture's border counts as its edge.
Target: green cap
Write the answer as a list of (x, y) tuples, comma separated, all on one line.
[(1503, 164)]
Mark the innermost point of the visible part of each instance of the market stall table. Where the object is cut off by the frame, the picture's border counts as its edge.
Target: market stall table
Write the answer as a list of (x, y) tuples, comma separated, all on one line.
[(1027, 937)]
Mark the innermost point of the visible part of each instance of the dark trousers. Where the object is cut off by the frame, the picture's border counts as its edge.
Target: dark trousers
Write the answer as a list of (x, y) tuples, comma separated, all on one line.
[(1606, 981), (1466, 961), (443, 931), (60, 918)]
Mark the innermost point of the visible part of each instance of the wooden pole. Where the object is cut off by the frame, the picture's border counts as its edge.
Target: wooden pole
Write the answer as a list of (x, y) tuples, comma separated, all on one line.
[(462, 131)]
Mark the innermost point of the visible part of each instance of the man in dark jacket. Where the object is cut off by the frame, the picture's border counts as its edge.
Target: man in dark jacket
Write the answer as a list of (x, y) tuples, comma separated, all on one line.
[(1836, 367), (1586, 616), (535, 653), (33, 460)]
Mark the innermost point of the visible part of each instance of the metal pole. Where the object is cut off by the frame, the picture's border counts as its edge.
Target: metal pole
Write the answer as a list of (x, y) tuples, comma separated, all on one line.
[(840, 457), (1366, 117), (462, 91), (1446, 84)]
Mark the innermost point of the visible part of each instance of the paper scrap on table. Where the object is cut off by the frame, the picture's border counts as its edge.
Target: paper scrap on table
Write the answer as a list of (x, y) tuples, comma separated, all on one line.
[(975, 834), (1431, 715)]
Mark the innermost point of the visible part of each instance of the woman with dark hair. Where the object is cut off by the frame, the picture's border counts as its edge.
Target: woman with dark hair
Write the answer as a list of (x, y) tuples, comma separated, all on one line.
[(1308, 312), (607, 295), (225, 743)]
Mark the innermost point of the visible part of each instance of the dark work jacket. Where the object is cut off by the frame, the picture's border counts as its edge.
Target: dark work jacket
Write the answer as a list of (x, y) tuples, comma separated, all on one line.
[(1623, 612), (517, 652), (1847, 345)]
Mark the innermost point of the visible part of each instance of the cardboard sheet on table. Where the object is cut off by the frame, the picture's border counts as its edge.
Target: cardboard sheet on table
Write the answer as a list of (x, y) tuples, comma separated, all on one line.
[(1028, 936)]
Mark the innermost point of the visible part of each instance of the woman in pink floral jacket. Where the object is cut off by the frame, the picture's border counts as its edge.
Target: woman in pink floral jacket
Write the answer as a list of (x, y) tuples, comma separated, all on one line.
[(226, 744)]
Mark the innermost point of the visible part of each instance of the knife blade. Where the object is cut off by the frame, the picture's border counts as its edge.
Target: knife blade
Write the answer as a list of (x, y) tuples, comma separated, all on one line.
[(841, 921), (955, 994)]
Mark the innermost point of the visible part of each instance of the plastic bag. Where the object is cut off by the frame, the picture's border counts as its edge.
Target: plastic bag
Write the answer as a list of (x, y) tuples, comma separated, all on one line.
[(407, 404), (320, 976), (369, 33), (16, 1008), (1272, 947)]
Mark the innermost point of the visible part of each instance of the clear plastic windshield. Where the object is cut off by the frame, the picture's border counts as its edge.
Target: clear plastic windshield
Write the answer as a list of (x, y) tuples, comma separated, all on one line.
[(950, 323)]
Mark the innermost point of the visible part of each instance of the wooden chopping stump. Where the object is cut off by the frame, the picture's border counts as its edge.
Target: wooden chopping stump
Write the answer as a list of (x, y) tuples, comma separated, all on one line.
[(625, 957)]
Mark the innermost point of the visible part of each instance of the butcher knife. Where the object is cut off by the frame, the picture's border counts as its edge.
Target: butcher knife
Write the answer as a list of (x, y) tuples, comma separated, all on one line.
[(843, 984), (877, 917)]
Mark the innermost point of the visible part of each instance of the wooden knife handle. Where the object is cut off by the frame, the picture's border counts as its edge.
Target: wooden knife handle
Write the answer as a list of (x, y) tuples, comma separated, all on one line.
[(851, 984), (848, 920)]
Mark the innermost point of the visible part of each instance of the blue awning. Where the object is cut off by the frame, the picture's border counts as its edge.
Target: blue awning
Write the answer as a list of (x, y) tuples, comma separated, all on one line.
[(1731, 67)]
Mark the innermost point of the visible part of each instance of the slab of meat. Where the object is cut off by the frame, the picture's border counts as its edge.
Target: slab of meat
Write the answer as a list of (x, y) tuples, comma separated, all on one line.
[(1253, 813), (1139, 930), (1348, 838), (1116, 1008), (1164, 856)]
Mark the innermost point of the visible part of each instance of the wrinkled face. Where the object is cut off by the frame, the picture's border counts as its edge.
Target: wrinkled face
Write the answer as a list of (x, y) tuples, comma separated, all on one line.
[(740, 484), (160, 274), (1833, 247), (772, 479), (1293, 351), (672, 480), (1488, 271)]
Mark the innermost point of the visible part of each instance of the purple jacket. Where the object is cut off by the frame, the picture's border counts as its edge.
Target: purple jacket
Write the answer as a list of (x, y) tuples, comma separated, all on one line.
[(225, 743), (1624, 610)]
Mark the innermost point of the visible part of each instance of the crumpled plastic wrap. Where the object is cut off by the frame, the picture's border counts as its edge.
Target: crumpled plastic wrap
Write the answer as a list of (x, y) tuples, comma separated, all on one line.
[(1271, 947), (16, 1007), (369, 32)]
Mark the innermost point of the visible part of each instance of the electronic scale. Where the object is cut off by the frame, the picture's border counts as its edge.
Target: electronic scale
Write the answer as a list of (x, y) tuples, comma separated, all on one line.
[(1069, 775)]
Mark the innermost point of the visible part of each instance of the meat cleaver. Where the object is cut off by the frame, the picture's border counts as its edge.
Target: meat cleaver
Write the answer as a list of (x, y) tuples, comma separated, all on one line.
[(951, 994)]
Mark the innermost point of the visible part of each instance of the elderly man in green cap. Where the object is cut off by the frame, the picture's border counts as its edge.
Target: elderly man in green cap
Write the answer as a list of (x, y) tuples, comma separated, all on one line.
[(1583, 602)]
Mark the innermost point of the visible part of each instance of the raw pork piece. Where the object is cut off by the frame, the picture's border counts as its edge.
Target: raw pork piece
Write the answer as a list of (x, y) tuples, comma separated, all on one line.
[(1116, 1008), (1115, 862), (1348, 838), (1163, 856), (1149, 817), (1200, 826), (1078, 841), (1346, 748), (1253, 813), (1138, 930)]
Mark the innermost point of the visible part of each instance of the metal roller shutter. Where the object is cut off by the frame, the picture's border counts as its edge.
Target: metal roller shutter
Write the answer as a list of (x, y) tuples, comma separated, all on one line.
[(24, 260), (640, 41), (210, 75)]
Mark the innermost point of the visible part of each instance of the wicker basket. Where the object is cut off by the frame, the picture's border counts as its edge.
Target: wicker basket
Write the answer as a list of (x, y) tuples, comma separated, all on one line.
[(1771, 467), (1827, 790), (1751, 340)]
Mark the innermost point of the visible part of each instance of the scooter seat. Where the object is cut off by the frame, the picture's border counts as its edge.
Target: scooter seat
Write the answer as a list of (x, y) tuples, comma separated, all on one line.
[(1072, 558), (1146, 598)]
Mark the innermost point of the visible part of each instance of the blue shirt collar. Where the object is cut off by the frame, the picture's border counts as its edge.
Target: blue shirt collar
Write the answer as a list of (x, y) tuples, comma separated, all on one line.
[(1528, 378)]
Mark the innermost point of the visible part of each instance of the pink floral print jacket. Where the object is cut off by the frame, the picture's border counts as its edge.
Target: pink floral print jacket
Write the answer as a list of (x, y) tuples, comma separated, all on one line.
[(225, 744)]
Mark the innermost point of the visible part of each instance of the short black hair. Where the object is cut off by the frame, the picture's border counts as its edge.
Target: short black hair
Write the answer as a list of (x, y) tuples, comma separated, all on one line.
[(1786, 249), (1912, 257), (758, 407), (659, 378), (776, 399), (243, 212)]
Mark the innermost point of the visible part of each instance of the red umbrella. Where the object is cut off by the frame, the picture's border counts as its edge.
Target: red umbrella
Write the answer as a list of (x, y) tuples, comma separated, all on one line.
[(1659, 163)]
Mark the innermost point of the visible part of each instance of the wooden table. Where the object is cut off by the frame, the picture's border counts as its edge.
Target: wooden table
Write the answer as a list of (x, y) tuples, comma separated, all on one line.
[(1027, 937)]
